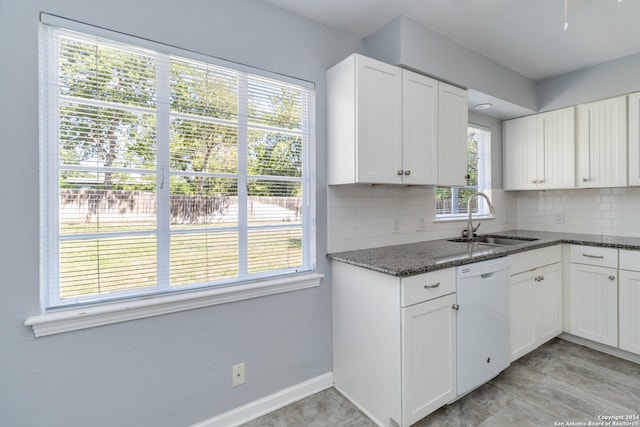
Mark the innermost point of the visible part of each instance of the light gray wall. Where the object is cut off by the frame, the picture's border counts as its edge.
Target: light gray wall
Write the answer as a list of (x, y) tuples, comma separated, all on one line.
[(496, 145), (405, 42), (590, 84), (170, 370)]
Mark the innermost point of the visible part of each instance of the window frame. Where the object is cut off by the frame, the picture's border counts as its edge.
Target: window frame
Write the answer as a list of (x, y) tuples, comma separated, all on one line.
[(484, 182), (207, 294)]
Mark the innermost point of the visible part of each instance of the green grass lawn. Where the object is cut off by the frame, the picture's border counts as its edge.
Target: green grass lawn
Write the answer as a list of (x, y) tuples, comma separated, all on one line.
[(99, 266)]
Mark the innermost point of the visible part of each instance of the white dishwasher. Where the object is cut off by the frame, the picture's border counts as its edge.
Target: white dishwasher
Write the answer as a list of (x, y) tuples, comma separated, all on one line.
[(483, 322)]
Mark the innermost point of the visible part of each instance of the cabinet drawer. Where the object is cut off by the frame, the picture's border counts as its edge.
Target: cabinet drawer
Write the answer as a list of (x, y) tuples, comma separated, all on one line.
[(592, 255), (629, 260), (525, 261), (426, 286)]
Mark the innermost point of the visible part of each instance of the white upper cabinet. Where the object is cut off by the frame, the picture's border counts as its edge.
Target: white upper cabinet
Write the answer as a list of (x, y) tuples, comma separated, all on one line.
[(387, 125), (419, 128), (539, 151), (520, 154), (452, 135), (364, 114), (601, 146), (556, 149), (634, 139)]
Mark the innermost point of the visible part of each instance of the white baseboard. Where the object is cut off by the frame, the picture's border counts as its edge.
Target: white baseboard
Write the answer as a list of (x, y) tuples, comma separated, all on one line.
[(277, 400), (622, 354), (357, 405)]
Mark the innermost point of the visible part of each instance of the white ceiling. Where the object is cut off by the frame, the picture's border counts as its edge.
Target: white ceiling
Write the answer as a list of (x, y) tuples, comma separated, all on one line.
[(524, 35)]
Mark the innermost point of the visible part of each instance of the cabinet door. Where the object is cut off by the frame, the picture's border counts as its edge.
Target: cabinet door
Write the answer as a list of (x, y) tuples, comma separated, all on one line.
[(428, 357), (523, 316), (452, 135), (536, 308), (556, 149), (548, 302), (630, 311), (520, 154), (602, 143), (594, 303), (419, 129), (379, 122), (634, 139)]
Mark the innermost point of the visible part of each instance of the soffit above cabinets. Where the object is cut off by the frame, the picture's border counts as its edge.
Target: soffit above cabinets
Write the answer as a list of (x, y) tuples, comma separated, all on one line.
[(525, 36)]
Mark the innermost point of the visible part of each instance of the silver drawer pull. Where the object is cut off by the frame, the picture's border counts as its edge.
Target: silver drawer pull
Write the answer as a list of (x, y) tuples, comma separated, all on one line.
[(435, 285), (593, 256), (612, 277), (456, 307)]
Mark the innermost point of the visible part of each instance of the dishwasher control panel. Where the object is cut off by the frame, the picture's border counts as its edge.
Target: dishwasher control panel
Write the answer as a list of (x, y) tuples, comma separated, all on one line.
[(483, 267)]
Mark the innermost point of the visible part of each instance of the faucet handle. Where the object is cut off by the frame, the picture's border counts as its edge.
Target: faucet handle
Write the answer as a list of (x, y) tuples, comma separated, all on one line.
[(476, 228)]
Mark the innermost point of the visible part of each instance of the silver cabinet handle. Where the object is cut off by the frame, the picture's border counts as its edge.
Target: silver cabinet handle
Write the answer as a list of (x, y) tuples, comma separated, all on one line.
[(407, 172), (400, 172), (534, 181), (435, 285), (456, 307), (612, 277), (585, 179), (541, 181), (593, 256)]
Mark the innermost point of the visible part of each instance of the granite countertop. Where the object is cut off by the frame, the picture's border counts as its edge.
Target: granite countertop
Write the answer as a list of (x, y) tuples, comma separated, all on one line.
[(416, 258)]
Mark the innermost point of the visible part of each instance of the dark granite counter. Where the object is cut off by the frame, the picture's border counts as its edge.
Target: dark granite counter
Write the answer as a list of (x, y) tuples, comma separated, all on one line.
[(416, 258)]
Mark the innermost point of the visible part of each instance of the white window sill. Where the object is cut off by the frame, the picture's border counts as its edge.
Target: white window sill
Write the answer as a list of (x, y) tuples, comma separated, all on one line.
[(463, 218), (58, 322)]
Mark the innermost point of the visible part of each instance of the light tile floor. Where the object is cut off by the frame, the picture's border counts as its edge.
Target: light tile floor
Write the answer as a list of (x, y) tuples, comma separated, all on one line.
[(558, 382)]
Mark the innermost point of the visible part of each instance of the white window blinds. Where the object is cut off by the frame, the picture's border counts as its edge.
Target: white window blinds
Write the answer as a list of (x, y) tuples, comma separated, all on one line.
[(162, 172)]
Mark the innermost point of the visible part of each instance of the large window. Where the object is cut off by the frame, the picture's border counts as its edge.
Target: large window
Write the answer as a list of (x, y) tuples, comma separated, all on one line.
[(163, 172), (451, 202)]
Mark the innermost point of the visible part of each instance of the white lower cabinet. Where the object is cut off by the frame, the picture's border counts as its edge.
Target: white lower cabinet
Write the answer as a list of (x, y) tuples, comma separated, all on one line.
[(536, 308), (629, 301), (594, 294), (629, 312), (428, 357), (536, 299), (394, 342)]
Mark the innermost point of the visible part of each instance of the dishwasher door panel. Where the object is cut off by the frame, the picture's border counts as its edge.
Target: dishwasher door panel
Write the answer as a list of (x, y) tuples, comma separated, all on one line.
[(483, 327)]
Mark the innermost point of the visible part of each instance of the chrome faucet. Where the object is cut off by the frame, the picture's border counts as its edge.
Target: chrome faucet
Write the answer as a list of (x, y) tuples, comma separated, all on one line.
[(470, 231)]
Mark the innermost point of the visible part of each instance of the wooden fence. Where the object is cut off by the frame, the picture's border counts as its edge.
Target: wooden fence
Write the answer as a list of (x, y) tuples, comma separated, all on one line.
[(86, 205)]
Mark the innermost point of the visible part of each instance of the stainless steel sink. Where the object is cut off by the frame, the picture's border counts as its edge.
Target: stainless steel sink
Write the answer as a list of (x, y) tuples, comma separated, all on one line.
[(495, 240)]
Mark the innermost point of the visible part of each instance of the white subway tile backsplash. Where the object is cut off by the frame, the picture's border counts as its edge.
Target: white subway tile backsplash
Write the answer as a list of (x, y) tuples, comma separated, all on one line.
[(362, 217), (607, 211)]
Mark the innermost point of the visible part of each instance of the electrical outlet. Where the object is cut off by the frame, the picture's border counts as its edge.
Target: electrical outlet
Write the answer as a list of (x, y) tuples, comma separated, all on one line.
[(558, 217), (396, 225), (237, 374), (420, 224)]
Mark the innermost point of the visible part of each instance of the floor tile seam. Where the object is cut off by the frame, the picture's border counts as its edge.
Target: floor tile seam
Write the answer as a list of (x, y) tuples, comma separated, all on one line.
[(609, 377), (561, 405), (586, 393), (487, 402), (527, 403)]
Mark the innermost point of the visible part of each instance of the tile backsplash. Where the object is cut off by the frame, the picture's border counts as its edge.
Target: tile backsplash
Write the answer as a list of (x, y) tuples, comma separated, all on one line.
[(361, 217), (604, 211)]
